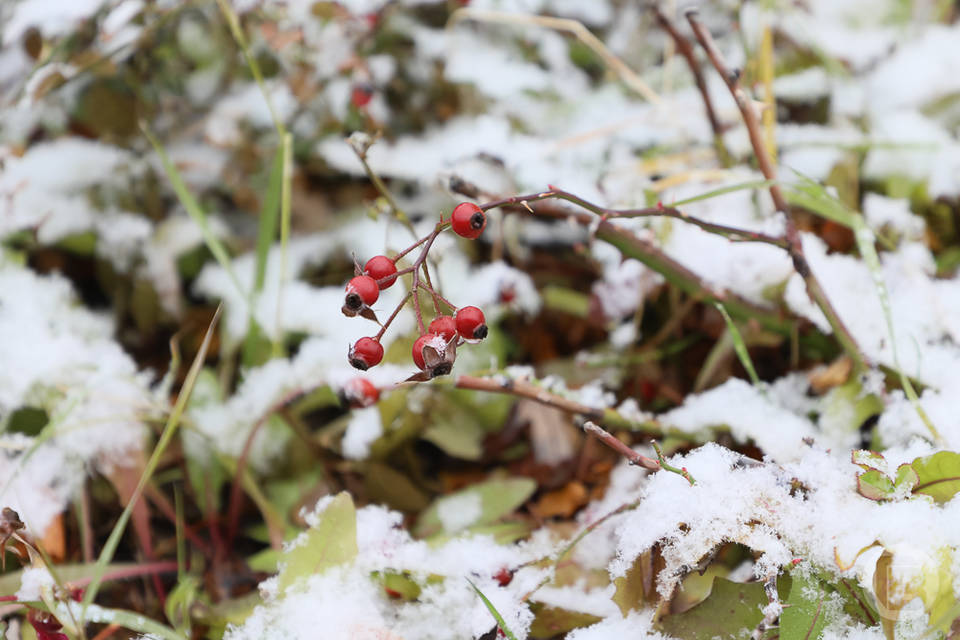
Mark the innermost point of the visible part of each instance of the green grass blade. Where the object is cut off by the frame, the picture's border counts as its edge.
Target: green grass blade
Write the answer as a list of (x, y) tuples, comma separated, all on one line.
[(285, 198), (267, 229), (173, 421), (194, 210), (254, 351), (813, 196), (868, 251), (752, 184), (739, 346), (234, 22), (493, 611), (129, 620)]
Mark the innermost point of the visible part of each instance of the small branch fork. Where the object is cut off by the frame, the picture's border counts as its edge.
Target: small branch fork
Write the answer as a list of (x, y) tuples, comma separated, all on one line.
[(632, 456), (794, 246)]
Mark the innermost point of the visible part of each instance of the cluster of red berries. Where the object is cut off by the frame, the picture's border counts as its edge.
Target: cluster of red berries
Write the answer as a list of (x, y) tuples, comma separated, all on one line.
[(435, 350)]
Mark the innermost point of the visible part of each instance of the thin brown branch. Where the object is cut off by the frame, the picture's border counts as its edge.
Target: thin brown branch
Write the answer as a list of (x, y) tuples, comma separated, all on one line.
[(731, 233), (611, 441), (530, 391), (685, 49), (794, 245), (632, 246)]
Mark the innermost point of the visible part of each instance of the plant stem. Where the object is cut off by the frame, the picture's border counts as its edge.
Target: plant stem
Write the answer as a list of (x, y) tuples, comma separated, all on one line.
[(393, 315), (685, 49), (794, 246), (522, 389)]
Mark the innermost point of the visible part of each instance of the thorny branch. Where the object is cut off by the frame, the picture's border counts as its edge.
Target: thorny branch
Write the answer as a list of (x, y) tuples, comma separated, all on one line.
[(633, 246), (794, 246), (686, 50)]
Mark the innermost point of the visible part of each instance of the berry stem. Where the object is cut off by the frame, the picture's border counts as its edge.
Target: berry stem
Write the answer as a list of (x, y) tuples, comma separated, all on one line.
[(437, 296), (421, 259), (383, 328), (429, 287)]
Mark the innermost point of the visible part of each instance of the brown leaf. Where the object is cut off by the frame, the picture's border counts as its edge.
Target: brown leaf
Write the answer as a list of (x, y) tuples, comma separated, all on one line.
[(563, 502)]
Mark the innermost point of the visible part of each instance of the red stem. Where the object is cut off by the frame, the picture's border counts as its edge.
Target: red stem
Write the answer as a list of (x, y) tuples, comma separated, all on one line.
[(393, 315)]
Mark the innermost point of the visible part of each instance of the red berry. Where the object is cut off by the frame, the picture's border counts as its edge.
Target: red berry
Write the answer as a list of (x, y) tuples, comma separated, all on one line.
[(365, 353), (380, 267), (468, 220), (433, 354), (359, 393), (361, 94), (361, 290), (471, 324), (444, 326), (418, 346), (503, 577)]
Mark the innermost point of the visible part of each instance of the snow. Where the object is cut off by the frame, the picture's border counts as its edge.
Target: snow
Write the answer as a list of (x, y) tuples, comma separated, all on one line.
[(348, 603), (62, 358), (33, 582)]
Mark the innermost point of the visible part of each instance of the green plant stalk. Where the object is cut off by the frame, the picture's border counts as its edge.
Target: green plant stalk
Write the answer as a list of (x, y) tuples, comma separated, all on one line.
[(169, 430), (234, 22), (739, 346), (869, 253), (194, 210), (493, 611), (678, 275), (285, 199)]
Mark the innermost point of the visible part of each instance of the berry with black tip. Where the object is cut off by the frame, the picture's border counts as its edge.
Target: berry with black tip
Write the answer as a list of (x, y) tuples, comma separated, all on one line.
[(365, 353), (379, 268), (468, 220), (444, 326), (471, 325), (360, 393), (361, 291)]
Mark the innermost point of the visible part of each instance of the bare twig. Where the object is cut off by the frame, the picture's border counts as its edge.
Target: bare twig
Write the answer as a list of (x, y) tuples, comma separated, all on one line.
[(794, 245), (611, 441), (633, 246), (685, 49), (520, 388)]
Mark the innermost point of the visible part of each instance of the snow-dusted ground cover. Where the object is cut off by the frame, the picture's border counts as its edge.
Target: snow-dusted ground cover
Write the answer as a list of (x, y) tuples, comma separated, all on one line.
[(470, 506)]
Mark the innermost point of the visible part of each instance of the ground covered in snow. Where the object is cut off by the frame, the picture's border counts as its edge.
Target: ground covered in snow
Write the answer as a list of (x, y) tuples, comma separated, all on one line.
[(753, 306)]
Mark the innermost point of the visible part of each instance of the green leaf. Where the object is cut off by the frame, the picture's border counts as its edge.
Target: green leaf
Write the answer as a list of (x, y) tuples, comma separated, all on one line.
[(551, 622), (731, 610), (330, 542), (458, 439), (632, 587), (386, 485), (805, 608), (398, 585), (857, 602), (496, 498), (875, 485), (938, 475), (867, 460)]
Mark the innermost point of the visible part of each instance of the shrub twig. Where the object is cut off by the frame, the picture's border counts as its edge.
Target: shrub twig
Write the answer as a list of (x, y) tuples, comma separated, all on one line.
[(794, 246)]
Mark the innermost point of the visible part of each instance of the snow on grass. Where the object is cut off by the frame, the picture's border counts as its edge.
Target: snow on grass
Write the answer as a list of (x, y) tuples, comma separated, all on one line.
[(826, 522), (61, 358), (347, 602), (47, 191), (923, 310), (751, 416)]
